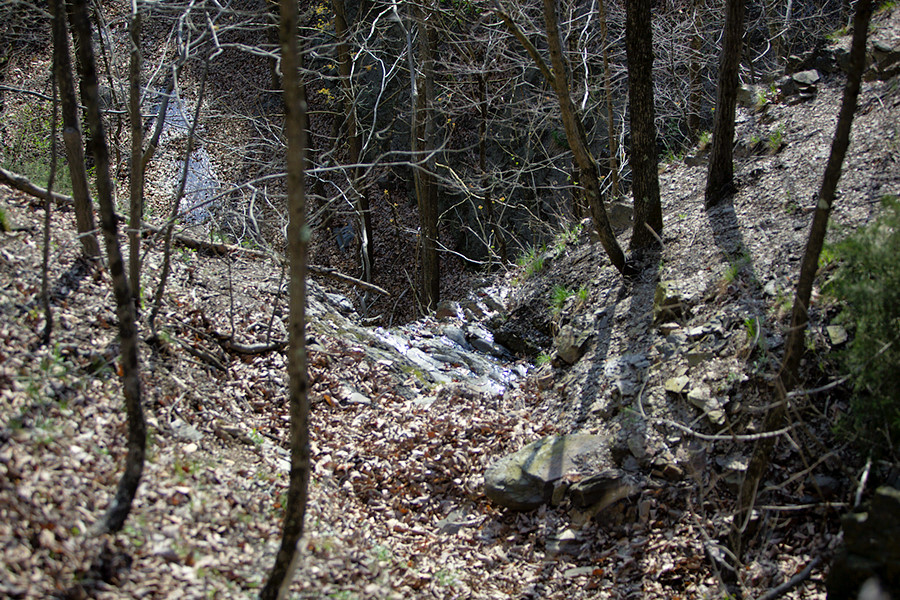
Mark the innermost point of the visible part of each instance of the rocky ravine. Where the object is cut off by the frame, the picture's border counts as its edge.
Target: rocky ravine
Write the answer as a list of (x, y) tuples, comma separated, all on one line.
[(401, 439)]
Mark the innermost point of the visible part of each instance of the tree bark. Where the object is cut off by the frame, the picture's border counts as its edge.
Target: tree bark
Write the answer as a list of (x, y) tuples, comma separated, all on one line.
[(345, 65), (496, 236), (577, 138), (720, 180), (422, 155), (788, 376), (298, 239), (136, 174), (612, 142), (130, 363), (62, 69), (644, 165)]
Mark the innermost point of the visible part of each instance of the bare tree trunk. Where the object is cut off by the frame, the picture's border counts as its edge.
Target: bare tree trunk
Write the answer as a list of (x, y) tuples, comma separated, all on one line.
[(48, 204), (496, 234), (298, 238), (787, 377), (62, 68), (131, 382), (644, 164), (345, 65), (423, 132), (720, 180), (575, 134), (136, 179), (612, 141)]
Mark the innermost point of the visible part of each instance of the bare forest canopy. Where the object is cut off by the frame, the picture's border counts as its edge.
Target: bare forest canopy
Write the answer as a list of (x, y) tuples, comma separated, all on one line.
[(489, 153)]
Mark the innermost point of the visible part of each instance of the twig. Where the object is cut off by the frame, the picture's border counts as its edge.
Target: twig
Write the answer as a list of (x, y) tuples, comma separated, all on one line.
[(862, 483), (792, 582)]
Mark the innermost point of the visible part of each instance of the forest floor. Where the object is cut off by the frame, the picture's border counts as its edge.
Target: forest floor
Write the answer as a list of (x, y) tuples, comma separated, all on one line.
[(396, 508)]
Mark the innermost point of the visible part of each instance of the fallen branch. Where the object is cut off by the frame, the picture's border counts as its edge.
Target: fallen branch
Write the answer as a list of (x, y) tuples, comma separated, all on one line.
[(233, 346), (338, 276), (22, 184), (792, 582)]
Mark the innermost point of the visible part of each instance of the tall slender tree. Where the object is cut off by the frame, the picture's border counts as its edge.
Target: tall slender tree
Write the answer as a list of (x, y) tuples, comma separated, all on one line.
[(72, 138), (136, 175), (788, 376), (720, 180), (298, 240), (128, 340), (644, 162), (422, 155)]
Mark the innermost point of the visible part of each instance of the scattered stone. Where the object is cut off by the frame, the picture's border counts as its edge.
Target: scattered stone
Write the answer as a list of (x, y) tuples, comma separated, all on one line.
[(185, 432), (886, 59), (620, 215), (667, 302), (696, 358), (596, 488), (448, 310), (836, 334), (524, 480), (711, 406), (570, 343), (544, 377), (677, 385), (668, 328), (566, 541), (455, 521), (802, 84)]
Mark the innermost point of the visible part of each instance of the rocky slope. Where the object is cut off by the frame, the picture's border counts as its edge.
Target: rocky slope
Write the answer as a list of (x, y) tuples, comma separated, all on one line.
[(669, 371)]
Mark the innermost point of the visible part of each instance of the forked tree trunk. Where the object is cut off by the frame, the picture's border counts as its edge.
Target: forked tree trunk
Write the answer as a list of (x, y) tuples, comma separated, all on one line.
[(298, 239), (644, 163), (720, 180), (788, 376), (62, 69), (128, 340)]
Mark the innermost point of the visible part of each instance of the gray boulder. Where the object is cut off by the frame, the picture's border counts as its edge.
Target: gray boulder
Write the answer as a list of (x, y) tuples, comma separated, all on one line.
[(524, 480)]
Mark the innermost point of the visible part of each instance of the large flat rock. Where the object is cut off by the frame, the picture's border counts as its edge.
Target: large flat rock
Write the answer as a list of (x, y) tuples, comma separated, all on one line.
[(524, 480)]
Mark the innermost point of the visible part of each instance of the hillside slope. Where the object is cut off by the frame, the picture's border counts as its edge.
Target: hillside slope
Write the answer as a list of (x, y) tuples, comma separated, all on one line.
[(396, 508)]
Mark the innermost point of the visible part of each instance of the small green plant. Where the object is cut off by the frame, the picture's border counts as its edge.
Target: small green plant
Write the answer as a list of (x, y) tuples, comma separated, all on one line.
[(776, 138), (543, 359), (382, 553), (559, 295), (582, 294), (705, 140), (532, 260), (4, 221), (445, 577), (569, 235), (867, 283), (256, 437), (734, 267)]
